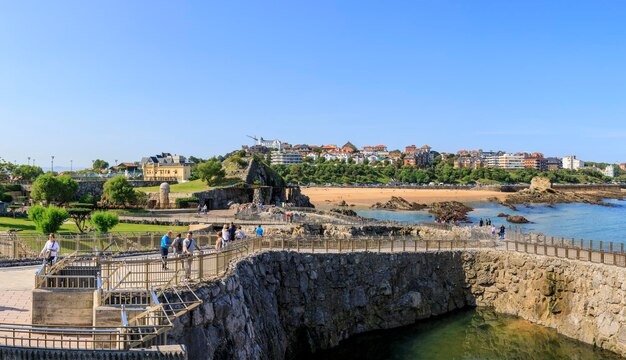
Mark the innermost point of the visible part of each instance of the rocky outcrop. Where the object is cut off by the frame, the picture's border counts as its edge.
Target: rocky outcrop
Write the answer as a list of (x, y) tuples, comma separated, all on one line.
[(346, 212), (517, 219), (450, 210), (398, 203), (539, 183), (541, 192), (503, 215)]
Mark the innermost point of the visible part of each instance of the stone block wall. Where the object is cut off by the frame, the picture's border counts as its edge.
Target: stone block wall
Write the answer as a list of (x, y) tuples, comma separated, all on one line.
[(276, 305)]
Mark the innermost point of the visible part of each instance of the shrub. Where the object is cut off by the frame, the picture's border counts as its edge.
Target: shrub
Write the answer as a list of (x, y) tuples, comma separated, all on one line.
[(88, 199), (104, 221), (118, 191), (182, 203), (47, 219), (14, 187), (6, 198)]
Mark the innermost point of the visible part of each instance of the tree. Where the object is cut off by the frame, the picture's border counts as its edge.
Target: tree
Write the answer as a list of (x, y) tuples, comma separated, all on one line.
[(211, 171), (80, 216), (104, 221), (99, 165), (27, 172), (47, 219), (50, 188), (118, 191)]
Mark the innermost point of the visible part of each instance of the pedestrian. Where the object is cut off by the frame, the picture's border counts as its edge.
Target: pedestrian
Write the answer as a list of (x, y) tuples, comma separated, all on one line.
[(259, 231), (287, 217), (189, 246), (225, 236), (177, 245), (205, 208), (218, 241), (166, 242), (502, 230), (239, 235), (493, 230), (231, 231), (199, 209), (50, 250), (488, 222), (480, 223)]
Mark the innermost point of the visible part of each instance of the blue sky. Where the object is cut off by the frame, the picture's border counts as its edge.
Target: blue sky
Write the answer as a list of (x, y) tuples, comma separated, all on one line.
[(123, 79)]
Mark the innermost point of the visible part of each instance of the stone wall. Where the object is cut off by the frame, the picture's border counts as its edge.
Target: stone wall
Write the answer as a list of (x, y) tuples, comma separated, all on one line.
[(96, 187), (276, 305)]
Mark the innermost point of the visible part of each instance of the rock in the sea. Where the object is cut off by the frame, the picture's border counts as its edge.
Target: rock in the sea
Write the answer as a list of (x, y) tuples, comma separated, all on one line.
[(398, 203), (503, 215), (517, 219), (450, 210), (346, 212)]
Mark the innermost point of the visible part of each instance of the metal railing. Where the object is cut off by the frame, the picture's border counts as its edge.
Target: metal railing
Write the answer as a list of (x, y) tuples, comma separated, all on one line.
[(602, 252)]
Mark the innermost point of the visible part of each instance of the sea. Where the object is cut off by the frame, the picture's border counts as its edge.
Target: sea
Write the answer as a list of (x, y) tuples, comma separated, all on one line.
[(577, 221), (466, 335)]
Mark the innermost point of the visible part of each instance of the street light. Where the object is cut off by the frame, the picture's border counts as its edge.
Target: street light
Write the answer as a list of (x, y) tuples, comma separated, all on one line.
[(71, 165), (29, 160), (52, 163)]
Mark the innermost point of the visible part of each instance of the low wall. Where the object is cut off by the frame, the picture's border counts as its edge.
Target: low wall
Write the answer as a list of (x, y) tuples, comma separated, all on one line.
[(62, 307), (276, 305), (170, 352)]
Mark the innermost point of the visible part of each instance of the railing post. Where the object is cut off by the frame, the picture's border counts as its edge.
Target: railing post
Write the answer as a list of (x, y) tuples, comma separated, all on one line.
[(282, 243), (379, 245), (326, 244), (313, 246), (391, 244), (298, 244), (201, 266), (426, 244), (147, 274), (403, 245), (176, 271), (352, 245), (439, 245), (340, 245)]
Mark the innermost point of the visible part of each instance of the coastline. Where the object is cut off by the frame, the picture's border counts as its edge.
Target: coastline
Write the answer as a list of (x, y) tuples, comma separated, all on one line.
[(328, 197)]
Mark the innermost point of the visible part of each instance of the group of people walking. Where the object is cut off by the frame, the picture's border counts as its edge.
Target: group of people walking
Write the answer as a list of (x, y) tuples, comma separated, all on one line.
[(228, 234), (501, 232), (183, 248)]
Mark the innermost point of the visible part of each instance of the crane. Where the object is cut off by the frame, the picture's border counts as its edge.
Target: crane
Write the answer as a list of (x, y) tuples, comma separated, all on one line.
[(255, 139)]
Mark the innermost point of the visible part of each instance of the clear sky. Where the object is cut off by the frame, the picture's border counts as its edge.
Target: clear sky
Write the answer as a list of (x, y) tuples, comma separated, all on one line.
[(124, 79)]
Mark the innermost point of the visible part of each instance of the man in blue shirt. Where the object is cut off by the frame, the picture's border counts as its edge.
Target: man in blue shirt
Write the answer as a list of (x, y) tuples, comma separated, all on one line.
[(259, 231), (166, 242)]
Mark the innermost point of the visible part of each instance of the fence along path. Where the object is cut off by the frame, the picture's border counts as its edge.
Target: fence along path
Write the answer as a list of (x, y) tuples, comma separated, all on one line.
[(145, 275)]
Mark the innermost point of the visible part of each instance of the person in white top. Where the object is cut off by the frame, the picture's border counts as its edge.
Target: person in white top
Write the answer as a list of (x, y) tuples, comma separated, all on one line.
[(225, 236), (50, 250), (189, 246), (239, 235)]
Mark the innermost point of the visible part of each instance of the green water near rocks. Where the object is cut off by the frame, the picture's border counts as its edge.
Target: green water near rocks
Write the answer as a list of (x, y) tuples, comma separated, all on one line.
[(467, 335)]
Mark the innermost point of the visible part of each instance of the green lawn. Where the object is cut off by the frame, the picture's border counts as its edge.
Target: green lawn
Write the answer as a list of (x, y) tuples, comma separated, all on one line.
[(28, 227), (191, 186)]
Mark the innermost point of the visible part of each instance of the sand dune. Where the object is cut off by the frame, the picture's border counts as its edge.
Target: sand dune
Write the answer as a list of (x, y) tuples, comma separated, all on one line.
[(324, 197)]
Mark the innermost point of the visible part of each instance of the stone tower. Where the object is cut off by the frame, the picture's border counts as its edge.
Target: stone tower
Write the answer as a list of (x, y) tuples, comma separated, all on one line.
[(164, 196)]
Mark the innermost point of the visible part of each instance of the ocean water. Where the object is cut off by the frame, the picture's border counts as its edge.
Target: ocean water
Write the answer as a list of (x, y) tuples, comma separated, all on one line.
[(466, 335), (578, 221)]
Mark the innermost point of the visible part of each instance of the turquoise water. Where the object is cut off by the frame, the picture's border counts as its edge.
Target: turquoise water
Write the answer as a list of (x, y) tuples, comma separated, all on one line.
[(466, 335), (579, 221)]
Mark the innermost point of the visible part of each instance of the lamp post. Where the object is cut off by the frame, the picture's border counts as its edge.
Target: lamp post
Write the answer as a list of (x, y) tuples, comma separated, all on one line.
[(29, 160), (71, 165), (52, 163)]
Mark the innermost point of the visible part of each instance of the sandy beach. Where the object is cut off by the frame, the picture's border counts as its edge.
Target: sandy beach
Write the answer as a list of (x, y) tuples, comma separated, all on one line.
[(324, 197)]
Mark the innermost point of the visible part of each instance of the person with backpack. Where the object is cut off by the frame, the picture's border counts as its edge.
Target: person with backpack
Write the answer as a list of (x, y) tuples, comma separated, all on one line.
[(189, 246), (50, 250), (177, 245), (231, 231), (502, 230)]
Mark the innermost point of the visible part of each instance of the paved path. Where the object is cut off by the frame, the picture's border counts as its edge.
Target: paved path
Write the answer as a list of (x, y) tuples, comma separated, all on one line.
[(16, 286)]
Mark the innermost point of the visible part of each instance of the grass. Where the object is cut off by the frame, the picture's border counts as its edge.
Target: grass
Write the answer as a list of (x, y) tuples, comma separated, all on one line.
[(191, 186), (28, 227)]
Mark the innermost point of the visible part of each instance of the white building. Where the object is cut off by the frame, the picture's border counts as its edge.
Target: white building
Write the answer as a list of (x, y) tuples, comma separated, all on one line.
[(511, 162), (608, 171), (571, 163), (286, 158), (491, 161)]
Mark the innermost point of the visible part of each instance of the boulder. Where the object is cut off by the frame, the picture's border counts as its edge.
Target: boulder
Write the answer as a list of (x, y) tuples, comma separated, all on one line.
[(540, 183), (503, 215), (517, 219), (450, 210)]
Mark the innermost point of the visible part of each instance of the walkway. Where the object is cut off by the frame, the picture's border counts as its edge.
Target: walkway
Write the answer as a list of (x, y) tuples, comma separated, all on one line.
[(16, 286)]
